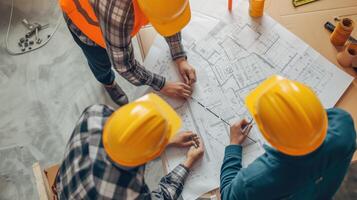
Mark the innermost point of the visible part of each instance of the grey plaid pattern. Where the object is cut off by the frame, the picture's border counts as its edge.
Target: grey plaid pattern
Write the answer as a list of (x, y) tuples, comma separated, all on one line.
[(88, 173), (116, 19)]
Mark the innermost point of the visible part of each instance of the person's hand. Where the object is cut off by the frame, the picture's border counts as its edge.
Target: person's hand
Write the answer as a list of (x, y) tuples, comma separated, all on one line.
[(184, 139), (237, 134), (187, 72), (194, 154), (176, 90)]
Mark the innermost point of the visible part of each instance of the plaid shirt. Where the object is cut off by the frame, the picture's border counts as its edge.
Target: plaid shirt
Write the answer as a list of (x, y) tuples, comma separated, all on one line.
[(88, 173), (116, 19)]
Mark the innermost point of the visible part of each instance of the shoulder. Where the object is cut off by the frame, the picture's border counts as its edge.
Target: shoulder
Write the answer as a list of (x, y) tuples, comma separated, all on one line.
[(98, 109), (340, 123), (341, 134), (93, 118), (89, 129), (258, 178), (87, 133), (338, 112), (262, 166), (83, 150)]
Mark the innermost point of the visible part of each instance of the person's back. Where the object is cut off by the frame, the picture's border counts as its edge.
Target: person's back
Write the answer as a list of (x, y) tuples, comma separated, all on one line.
[(106, 154), (314, 176), (277, 175)]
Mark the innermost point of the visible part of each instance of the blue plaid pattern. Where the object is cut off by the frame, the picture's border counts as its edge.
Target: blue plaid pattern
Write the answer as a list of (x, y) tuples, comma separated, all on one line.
[(87, 172)]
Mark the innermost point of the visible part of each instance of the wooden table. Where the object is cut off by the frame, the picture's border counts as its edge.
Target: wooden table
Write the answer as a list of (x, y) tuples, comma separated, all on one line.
[(307, 22)]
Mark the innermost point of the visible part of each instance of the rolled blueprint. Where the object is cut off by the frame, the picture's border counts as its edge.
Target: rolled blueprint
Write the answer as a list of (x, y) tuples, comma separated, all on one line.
[(342, 32)]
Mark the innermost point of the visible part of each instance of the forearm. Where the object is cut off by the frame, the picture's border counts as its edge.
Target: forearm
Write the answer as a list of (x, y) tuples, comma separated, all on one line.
[(171, 185), (176, 48), (113, 17), (130, 69), (230, 167), (138, 75)]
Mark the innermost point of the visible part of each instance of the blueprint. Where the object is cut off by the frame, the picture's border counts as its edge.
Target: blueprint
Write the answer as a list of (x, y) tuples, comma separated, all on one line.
[(231, 59)]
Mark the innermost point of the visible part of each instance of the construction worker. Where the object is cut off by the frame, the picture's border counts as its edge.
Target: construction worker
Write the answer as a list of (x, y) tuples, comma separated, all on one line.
[(106, 154), (103, 29), (310, 148)]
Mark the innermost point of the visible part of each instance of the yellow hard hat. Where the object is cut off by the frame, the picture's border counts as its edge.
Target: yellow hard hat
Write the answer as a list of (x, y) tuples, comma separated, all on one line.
[(168, 17), (138, 132), (289, 115)]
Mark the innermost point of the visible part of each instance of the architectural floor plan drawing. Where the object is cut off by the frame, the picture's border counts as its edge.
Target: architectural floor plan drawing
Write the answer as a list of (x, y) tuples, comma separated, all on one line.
[(237, 54)]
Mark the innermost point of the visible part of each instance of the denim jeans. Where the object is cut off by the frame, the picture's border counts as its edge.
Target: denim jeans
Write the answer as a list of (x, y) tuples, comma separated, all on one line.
[(98, 61)]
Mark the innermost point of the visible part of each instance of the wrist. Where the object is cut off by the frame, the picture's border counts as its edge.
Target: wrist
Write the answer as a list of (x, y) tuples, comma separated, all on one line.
[(164, 86), (188, 163), (171, 144), (158, 82), (235, 142), (180, 60)]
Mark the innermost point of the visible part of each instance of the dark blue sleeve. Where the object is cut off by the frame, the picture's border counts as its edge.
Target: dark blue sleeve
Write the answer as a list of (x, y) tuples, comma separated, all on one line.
[(339, 146), (230, 179), (341, 133)]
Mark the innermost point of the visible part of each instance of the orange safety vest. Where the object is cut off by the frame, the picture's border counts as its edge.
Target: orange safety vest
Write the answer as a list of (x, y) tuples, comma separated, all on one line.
[(82, 15)]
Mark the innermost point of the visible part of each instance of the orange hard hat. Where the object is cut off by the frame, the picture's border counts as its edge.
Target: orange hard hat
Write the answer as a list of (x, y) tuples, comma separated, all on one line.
[(289, 115), (139, 132)]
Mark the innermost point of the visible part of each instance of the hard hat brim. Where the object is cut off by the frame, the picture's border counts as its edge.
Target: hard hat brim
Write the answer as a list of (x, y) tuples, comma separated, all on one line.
[(174, 26)]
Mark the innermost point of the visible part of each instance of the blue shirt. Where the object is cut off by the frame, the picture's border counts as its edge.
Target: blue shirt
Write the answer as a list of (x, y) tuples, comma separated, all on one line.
[(275, 175)]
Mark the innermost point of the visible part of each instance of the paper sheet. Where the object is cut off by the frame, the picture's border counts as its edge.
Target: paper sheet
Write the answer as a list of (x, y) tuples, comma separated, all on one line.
[(235, 55)]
